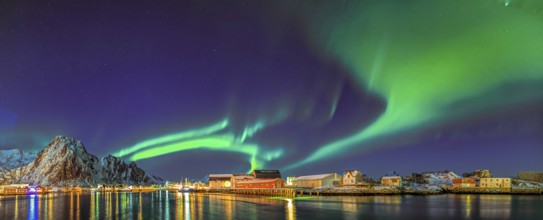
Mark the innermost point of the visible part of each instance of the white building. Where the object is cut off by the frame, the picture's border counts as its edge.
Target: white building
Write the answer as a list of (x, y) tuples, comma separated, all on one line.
[(352, 178), (314, 181)]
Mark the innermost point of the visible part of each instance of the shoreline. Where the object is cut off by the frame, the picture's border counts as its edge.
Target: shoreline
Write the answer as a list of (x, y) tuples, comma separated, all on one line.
[(391, 192), (315, 194)]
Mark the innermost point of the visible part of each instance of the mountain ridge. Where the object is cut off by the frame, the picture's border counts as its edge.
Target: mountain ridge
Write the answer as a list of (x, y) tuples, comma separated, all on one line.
[(66, 162)]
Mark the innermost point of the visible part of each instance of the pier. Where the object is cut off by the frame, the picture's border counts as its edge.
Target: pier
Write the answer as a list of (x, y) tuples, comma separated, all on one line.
[(282, 192)]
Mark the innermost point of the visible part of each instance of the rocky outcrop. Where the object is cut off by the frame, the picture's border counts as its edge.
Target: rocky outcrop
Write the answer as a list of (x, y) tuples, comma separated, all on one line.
[(65, 161), (478, 174)]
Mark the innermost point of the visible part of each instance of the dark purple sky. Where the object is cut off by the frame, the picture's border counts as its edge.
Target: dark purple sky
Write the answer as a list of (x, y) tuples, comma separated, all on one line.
[(115, 74)]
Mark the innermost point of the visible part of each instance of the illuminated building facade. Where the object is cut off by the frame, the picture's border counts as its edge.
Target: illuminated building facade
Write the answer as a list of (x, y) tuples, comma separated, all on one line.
[(391, 181), (495, 182), (464, 182), (261, 184), (220, 181), (314, 181), (240, 177)]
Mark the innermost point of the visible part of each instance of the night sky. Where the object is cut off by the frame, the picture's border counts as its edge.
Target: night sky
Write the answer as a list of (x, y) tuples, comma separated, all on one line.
[(188, 88)]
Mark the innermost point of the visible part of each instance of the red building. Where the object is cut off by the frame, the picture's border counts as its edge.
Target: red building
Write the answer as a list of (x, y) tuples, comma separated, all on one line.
[(463, 182), (260, 184)]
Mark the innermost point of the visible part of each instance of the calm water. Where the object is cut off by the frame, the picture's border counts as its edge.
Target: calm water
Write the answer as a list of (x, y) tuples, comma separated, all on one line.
[(163, 205)]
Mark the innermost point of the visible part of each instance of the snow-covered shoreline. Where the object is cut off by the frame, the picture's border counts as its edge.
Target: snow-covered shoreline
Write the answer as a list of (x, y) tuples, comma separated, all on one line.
[(418, 190)]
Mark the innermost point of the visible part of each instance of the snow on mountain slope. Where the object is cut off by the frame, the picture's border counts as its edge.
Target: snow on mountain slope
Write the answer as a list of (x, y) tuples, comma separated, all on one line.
[(440, 178), (65, 161), (15, 158)]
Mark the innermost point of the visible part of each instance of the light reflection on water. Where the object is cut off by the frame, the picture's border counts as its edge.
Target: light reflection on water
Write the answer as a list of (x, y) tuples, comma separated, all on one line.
[(174, 205), (290, 210)]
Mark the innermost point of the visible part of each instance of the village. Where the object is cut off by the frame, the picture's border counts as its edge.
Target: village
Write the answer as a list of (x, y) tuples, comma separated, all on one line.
[(352, 182)]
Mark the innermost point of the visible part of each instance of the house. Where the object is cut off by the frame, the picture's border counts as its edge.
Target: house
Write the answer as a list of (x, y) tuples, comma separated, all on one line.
[(463, 182), (240, 177), (391, 181), (220, 181), (352, 178), (314, 181), (495, 182), (262, 183), (15, 189), (266, 174)]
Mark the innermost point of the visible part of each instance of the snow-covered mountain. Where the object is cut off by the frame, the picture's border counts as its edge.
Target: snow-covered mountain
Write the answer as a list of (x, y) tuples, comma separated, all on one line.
[(65, 161), (15, 158)]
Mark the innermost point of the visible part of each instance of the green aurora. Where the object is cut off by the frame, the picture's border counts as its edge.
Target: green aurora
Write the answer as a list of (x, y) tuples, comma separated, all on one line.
[(426, 57), (173, 137), (203, 138)]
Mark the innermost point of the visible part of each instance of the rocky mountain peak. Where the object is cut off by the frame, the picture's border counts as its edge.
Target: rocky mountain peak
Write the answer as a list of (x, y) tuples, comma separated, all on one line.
[(65, 161), (63, 143)]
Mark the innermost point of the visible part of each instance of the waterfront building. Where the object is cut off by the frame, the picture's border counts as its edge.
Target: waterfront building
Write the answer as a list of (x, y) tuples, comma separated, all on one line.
[(266, 174), (15, 189), (314, 181), (220, 181), (391, 181), (240, 177), (260, 179), (352, 178), (262, 183), (464, 182), (495, 182)]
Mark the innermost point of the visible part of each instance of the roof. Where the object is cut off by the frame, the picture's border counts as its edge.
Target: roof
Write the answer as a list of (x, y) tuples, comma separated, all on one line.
[(220, 176), (267, 174), (18, 185), (391, 177), (314, 177), (242, 174), (241, 177), (257, 181), (352, 172)]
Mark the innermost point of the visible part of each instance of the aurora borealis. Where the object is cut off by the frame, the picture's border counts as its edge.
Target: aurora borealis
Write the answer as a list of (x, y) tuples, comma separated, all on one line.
[(200, 138), (416, 70), (301, 86)]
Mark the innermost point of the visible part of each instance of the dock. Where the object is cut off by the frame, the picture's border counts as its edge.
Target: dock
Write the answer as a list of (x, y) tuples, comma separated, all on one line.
[(280, 192)]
